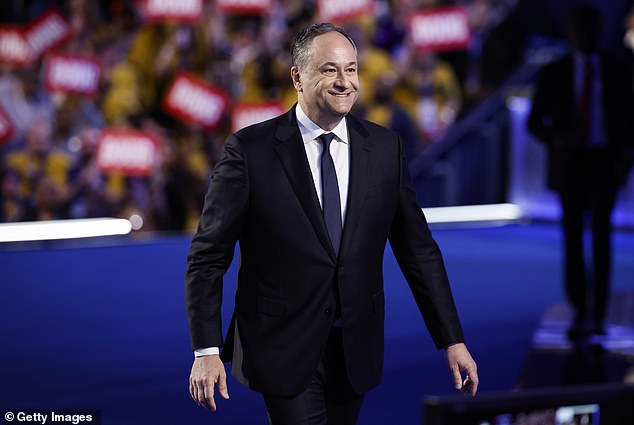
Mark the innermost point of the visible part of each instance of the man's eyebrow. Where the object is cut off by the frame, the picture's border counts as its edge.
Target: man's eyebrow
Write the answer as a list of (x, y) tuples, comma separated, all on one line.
[(335, 64)]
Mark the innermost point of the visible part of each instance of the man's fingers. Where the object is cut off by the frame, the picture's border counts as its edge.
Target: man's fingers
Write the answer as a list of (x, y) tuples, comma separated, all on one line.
[(206, 372), (193, 391), (222, 387), (203, 393), (470, 384), (208, 397), (460, 362), (472, 377), (457, 377), (197, 392)]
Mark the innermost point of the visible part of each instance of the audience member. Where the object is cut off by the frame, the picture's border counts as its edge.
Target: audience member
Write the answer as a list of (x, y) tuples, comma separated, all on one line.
[(383, 110), (373, 61), (12, 206), (428, 89), (37, 158), (90, 195)]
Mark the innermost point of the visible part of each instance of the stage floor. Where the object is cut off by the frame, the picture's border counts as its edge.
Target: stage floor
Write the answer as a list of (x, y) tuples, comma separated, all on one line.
[(101, 325)]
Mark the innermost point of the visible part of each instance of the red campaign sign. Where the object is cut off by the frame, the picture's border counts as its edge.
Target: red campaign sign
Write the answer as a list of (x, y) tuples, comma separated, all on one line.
[(342, 10), (244, 7), (47, 32), (14, 48), (170, 10), (72, 74), (440, 29), (193, 100), (246, 114), (130, 152), (6, 127)]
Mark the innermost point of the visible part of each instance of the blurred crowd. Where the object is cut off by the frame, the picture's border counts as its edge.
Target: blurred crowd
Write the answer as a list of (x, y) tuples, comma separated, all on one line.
[(48, 167)]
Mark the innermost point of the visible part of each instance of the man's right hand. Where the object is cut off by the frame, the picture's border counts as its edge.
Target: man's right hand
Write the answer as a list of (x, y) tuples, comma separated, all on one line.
[(207, 371)]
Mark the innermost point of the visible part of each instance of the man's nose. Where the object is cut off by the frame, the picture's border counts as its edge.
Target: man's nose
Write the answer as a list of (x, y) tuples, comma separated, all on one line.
[(342, 81)]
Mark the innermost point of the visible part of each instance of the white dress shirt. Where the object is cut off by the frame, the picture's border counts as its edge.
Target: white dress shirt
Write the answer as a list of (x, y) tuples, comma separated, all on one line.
[(340, 152)]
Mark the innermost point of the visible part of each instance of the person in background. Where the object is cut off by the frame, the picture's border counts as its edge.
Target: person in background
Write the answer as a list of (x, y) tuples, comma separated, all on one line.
[(429, 89), (373, 61), (12, 205), (36, 158), (582, 111), (383, 110), (312, 196)]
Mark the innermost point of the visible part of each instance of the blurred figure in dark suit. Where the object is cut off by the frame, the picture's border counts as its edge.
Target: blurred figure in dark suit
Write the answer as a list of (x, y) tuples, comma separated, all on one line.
[(583, 112)]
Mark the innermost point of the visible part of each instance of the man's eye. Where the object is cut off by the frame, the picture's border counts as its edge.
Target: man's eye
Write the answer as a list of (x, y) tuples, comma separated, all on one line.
[(351, 70)]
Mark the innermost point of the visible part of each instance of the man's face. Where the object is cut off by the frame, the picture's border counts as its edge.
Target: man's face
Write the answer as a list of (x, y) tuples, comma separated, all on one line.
[(329, 85)]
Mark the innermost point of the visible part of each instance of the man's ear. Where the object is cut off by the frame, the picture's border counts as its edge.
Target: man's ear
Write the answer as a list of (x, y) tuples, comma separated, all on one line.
[(295, 77)]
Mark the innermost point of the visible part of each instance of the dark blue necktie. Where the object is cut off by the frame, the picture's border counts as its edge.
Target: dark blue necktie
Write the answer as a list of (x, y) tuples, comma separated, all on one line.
[(331, 203)]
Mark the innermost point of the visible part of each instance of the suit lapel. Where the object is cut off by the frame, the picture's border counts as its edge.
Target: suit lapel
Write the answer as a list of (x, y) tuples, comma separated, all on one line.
[(359, 176), (291, 153)]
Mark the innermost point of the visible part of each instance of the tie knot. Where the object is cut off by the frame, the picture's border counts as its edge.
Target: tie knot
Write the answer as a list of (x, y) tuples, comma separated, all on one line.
[(325, 139)]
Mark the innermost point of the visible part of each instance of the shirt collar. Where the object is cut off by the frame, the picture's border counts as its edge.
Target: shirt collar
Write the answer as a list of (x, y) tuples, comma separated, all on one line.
[(310, 131)]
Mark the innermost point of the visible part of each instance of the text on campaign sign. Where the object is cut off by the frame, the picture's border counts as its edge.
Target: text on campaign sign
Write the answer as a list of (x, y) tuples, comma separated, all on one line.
[(338, 10), (253, 7), (193, 100), (46, 32), (245, 114), (72, 74), (129, 152), (438, 29), (165, 10), (14, 48)]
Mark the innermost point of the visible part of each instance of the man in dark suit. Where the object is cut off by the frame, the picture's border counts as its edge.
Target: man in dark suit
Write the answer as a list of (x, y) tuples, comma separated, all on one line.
[(582, 111), (307, 330)]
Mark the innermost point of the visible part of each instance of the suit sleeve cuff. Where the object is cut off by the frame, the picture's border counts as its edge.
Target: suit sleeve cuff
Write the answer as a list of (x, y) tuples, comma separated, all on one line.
[(209, 351)]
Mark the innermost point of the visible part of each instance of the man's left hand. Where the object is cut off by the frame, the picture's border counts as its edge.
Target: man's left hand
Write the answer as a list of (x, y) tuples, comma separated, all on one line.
[(460, 361)]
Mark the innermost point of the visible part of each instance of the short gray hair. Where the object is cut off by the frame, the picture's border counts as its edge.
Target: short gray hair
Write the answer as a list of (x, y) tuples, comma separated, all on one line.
[(300, 49)]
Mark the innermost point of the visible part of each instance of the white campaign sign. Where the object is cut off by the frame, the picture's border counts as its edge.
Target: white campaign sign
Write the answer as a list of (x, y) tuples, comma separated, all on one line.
[(72, 74), (46, 32), (195, 102), (333, 10), (237, 6), (181, 9), (445, 28), (131, 152), (13, 47), (245, 115)]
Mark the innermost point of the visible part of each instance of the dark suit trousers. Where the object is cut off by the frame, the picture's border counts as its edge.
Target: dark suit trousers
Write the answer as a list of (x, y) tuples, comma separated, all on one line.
[(328, 399), (589, 190)]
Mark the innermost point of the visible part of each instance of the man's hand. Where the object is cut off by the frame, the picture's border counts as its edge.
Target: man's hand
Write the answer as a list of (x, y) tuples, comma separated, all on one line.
[(206, 372), (459, 360)]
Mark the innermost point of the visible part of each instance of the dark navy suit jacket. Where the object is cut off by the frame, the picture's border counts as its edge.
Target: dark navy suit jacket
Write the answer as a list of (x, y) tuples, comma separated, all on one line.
[(262, 194), (554, 120)]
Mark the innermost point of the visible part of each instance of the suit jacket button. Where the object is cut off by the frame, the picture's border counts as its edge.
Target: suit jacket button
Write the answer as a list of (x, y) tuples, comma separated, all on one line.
[(327, 311)]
